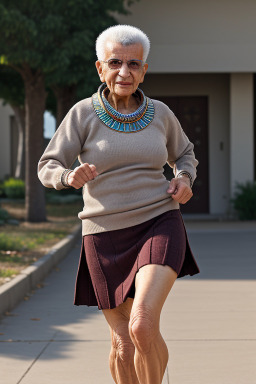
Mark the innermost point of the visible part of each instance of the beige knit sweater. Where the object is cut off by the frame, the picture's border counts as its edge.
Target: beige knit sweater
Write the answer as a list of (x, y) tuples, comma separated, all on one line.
[(131, 187)]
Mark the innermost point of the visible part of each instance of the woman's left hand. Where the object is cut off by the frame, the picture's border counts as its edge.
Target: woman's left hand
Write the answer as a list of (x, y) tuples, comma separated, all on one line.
[(180, 189)]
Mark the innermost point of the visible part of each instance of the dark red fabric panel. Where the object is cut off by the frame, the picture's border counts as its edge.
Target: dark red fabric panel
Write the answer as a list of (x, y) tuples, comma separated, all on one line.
[(109, 261)]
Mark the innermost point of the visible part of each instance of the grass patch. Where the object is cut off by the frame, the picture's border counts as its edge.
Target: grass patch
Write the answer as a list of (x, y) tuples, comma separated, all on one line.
[(11, 257), (9, 272), (16, 210), (15, 241), (24, 244)]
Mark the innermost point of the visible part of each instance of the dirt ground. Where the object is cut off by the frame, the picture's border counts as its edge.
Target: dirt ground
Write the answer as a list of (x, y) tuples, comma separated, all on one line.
[(59, 223)]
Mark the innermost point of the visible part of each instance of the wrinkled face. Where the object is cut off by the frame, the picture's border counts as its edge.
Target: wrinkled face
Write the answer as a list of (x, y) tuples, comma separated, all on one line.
[(122, 81)]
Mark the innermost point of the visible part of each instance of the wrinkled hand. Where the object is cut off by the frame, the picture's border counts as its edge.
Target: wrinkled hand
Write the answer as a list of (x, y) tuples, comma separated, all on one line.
[(180, 189), (81, 175)]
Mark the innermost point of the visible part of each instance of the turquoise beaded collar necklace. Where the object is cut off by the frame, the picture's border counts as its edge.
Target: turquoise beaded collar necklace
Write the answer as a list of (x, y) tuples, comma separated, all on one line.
[(132, 122)]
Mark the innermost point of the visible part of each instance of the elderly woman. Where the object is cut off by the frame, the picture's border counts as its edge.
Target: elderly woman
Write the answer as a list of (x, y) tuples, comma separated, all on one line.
[(134, 241)]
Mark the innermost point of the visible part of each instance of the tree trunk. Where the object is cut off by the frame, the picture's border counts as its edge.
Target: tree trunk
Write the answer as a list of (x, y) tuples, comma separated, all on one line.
[(20, 120), (65, 97), (35, 97)]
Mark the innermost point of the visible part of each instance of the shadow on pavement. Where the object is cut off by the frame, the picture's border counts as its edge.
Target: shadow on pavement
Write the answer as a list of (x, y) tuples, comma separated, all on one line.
[(49, 316)]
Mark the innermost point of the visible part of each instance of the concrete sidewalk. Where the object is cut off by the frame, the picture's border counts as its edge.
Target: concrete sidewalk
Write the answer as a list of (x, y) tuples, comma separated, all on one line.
[(208, 322)]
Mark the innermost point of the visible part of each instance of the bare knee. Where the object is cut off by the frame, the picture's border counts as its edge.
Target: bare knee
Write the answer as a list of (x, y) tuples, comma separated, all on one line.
[(143, 328), (122, 345)]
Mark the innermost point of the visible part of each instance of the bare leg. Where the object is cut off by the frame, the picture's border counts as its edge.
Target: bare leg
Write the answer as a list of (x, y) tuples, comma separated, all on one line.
[(121, 358), (153, 283)]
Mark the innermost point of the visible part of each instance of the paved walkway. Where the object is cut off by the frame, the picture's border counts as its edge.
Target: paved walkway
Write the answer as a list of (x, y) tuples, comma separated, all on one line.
[(209, 321)]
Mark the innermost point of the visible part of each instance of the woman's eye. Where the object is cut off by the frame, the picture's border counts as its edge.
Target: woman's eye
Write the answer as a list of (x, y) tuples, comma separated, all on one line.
[(134, 64), (114, 63)]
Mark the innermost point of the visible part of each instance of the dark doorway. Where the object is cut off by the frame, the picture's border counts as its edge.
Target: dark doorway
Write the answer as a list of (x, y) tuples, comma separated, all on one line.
[(192, 112)]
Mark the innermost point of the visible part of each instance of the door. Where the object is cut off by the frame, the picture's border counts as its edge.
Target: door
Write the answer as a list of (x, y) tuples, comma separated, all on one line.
[(192, 112)]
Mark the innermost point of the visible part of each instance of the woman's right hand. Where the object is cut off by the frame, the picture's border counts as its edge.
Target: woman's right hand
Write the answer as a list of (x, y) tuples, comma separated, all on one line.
[(81, 175)]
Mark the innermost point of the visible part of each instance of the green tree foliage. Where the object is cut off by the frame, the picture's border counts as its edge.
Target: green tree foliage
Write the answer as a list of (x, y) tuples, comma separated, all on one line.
[(49, 41), (11, 87)]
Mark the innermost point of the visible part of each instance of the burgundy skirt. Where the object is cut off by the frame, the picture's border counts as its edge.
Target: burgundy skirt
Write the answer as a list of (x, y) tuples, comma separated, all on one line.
[(110, 260)]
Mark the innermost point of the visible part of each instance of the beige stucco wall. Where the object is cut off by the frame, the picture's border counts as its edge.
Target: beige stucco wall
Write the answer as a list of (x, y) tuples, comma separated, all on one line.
[(216, 87), (242, 132), (5, 157), (198, 35)]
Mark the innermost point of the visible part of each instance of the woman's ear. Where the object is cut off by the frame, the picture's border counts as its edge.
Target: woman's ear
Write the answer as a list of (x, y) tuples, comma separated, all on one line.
[(145, 68), (99, 68)]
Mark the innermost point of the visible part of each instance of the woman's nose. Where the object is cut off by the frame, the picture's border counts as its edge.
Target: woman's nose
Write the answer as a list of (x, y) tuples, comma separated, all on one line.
[(124, 70)]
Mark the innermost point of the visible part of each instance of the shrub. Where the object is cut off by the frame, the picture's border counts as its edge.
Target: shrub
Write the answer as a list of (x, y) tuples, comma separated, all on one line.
[(63, 196), (66, 199), (14, 188), (3, 214), (244, 200), (2, 192)]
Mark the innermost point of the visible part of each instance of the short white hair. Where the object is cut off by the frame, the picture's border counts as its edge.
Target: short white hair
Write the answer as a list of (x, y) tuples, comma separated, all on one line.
[(125, 35)]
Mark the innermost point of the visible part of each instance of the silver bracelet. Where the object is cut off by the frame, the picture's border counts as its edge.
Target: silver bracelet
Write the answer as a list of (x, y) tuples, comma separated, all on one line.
[(64, 177), (184, 173)]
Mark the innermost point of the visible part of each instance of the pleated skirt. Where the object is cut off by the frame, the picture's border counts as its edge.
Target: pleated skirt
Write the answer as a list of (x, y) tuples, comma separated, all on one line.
[(110, 260)]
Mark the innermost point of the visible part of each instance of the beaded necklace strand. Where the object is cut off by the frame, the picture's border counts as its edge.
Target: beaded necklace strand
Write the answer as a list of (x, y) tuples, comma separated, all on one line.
[(132, 122)]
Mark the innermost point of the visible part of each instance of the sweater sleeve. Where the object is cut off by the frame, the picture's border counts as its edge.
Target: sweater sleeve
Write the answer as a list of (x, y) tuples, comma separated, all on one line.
[(62, 150), (181, 155)]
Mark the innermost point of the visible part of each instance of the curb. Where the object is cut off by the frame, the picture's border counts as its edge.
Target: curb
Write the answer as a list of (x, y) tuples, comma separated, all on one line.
[(12, 292)]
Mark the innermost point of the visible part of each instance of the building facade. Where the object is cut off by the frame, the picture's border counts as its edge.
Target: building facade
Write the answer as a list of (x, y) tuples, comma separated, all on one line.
[(202, 64)]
